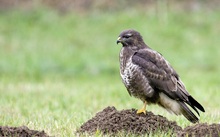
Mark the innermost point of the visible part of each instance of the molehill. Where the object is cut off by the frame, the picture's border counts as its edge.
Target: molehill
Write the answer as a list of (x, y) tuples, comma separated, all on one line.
[(111, 121), (23, 131)]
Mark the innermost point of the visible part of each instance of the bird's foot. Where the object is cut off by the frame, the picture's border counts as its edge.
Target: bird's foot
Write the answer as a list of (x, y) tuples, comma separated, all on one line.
[(141, 111)]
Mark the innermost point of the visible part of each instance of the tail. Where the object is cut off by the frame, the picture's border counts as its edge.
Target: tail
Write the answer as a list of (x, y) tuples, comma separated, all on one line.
[(187, 113), (184, 97), (179, 106)]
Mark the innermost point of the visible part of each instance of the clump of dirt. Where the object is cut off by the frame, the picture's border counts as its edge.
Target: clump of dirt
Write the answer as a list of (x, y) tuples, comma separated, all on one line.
[(201, 130), (111, 121), (22, 131)]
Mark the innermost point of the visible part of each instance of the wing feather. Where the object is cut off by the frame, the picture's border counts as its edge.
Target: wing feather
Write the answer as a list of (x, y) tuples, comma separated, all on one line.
[(160, 73), (163, 77)]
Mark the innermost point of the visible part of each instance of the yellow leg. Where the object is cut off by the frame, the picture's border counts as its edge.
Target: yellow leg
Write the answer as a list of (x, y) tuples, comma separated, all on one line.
[(142, 110)]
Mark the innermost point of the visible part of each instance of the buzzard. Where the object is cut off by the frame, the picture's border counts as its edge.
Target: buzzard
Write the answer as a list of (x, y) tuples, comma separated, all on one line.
[(147, 75)]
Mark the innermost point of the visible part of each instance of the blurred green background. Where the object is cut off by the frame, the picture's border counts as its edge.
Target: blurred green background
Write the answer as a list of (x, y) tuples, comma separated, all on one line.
[(59, 59)]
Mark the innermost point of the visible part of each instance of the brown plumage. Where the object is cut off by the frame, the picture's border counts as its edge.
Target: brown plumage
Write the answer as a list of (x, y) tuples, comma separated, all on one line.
[(148, 76)]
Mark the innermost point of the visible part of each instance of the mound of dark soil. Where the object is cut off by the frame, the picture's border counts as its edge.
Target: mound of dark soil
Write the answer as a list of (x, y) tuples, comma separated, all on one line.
[(201, 130), (23, 131), (112, 121)]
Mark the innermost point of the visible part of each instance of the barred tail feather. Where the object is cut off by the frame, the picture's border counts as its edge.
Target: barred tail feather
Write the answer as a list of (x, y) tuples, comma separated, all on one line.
[(187, 113)]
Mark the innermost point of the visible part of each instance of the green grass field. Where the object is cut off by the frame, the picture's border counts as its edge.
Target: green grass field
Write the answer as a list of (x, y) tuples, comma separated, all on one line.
[(57, 71)]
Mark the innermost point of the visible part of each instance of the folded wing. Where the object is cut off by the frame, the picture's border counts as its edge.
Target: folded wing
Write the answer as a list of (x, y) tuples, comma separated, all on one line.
[(164, 78)]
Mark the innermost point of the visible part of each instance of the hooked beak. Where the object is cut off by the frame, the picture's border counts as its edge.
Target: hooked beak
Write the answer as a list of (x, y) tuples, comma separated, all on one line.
[(118, 40)]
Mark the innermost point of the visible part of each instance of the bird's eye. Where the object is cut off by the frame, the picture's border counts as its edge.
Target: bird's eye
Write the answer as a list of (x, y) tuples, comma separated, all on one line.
[(127, 36)]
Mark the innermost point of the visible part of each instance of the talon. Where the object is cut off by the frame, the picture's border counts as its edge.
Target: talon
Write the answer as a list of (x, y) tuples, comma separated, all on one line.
[(142, 110)]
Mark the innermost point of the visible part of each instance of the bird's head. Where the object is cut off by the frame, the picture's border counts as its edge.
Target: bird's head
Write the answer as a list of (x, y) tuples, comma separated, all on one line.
[(130, 37)]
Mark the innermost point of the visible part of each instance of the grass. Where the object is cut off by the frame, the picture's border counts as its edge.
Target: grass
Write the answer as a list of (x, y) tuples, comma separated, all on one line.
[(57, 71)]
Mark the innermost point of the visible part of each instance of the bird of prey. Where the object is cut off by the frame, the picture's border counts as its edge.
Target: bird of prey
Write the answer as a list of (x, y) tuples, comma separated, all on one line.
[(147, 75)]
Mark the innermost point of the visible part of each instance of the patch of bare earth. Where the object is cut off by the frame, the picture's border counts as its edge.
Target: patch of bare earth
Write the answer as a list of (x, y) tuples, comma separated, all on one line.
[(111, 121), (201, 130), (23, 131)]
